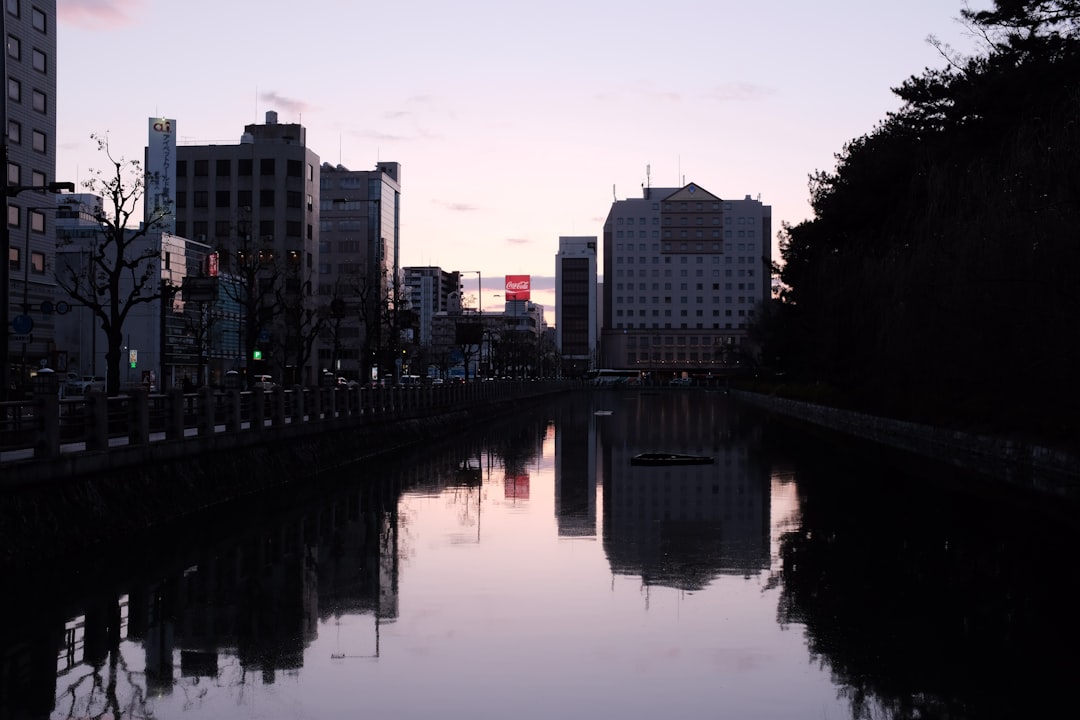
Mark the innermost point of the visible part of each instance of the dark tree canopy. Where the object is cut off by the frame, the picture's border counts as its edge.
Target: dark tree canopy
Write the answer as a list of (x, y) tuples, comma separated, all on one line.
[(934, 280)]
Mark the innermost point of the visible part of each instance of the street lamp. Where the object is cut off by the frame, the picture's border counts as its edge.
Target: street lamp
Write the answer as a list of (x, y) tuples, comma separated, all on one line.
[(5, 266)]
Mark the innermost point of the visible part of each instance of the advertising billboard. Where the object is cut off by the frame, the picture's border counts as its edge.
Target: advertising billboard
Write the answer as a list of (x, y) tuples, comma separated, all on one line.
[(517, 287), (160, 198)]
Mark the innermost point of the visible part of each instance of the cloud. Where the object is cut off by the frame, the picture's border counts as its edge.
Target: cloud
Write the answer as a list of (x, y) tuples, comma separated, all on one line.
[(517, 241), (98, 14), (288, 105), (457, 206)]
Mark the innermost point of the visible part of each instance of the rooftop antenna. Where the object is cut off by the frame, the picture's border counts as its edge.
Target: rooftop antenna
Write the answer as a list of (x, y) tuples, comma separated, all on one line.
[(648, 174), (613, 197)]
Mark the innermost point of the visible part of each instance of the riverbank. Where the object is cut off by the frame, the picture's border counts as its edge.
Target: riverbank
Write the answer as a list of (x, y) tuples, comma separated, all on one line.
[(1016, 461)]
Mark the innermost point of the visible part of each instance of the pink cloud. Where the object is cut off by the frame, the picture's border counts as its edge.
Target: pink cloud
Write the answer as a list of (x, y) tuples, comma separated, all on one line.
[(98, 14)]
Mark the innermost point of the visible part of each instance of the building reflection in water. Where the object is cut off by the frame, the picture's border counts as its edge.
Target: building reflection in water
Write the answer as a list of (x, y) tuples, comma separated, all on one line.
[(682, 526)]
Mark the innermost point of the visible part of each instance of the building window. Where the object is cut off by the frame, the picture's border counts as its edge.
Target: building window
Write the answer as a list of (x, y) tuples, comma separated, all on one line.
[(200, 197), (223, 167), (37, 221), (266, 198), (14, 132), (243, 198), (14, 47), (266, 228), (39, 60), (14, 90), (222, 228), (14, 174), (37, 263), (39, 20), (222, 198), (202, 168), (37, 179), (243, 167), (13, 7), (39, 143), (293, 199), (266, 166), (38, 101)]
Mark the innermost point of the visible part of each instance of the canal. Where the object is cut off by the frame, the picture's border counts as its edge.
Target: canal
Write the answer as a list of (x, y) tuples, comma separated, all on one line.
[(529, 570)]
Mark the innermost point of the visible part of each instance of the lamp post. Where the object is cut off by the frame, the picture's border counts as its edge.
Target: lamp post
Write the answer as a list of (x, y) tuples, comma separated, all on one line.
[(5, 266)]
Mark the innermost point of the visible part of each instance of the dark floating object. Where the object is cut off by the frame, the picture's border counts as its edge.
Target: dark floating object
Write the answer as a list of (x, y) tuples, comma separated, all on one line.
[(670, 459)]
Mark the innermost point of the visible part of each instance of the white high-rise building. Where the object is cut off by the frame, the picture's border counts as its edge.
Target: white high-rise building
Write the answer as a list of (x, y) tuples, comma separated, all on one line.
[(685, 274)]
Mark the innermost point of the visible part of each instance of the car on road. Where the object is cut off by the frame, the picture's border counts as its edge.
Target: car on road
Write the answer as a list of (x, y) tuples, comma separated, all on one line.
[(82, 384)]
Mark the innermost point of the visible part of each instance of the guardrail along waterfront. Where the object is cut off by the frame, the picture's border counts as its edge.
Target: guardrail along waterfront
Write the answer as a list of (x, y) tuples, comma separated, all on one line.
[(50, 436)]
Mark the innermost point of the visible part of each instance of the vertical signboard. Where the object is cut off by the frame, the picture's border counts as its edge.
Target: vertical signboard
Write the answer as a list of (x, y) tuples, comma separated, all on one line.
[(517, 287), (160, 199)]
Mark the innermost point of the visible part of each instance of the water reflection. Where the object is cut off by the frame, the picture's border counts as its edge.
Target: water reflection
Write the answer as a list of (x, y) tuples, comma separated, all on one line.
[(806, 579)]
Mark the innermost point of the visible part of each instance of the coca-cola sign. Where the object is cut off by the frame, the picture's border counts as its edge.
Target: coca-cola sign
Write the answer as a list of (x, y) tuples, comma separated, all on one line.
[(517, 287)]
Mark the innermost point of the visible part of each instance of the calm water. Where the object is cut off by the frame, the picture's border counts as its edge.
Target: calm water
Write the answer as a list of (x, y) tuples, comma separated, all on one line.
[(530, 571)]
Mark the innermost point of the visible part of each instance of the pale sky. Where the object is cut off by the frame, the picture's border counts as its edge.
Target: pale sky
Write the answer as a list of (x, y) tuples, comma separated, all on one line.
[(514, 123)]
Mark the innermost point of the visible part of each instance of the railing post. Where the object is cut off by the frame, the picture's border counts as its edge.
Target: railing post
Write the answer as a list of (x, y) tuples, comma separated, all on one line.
[(47, 414), (206, 411), (258, 409), (298, 405), (174, 423), (138, 417), (277, 399), (97, 420), (233, 420)]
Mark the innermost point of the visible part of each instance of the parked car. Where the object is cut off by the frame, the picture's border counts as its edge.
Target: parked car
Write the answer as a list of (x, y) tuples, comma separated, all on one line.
[(266, 382), (82, 384)]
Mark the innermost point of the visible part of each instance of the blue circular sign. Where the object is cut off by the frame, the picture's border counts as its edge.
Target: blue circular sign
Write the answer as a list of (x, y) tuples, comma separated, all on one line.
[(22, 324)]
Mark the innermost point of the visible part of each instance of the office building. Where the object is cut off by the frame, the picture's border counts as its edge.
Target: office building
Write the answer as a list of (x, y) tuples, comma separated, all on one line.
[(430, 290), (31, 297), (358, 271), (576, 327), (256, 205), (685, 274)]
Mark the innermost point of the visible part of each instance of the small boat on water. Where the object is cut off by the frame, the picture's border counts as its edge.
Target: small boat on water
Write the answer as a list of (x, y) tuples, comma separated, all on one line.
[(670, 459)]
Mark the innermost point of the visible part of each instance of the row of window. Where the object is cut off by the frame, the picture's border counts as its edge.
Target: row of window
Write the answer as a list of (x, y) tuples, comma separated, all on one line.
[(683, 313), (226, 229), (668, 220), (728, 272), (37, 262), (685, 299), (634, 358), (699, 260), (682, 326), (683, 234), (682, 286), (716, 247), (692, 340), (224, 199), (244, 168)]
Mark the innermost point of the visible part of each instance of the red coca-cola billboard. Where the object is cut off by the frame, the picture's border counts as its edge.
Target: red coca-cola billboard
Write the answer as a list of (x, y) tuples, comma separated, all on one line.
[(517, 287)]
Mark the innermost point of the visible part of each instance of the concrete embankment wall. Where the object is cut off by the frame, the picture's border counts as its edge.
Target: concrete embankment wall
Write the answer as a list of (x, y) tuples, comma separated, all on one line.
[(1008, 459), (46, 521)]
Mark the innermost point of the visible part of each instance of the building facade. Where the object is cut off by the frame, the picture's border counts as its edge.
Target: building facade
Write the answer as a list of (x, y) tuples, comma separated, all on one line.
[(576, 327), (685, 274), (358, 271), (430, 290), (30, 289), (256, 204)]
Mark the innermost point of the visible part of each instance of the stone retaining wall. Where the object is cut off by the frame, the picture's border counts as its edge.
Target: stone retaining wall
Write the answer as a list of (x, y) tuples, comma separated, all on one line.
[(1009, 459)]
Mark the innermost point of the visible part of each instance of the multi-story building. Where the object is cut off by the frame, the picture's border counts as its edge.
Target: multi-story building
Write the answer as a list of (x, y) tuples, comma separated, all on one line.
[(30, 292), (256, 203), (430, 290), (358, 270), (685, 273), (575, 304)]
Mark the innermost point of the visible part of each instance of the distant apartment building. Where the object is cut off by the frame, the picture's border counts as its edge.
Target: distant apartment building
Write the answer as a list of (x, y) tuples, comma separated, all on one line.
[(685, 274), (30, 292), (429, 291), (358, 270), (576, 326), (256, 203)]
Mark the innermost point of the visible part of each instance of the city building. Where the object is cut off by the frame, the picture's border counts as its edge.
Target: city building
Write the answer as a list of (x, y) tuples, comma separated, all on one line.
[(685, 274), (30, 297), (430, 290), (576, 319), (358, 270), (256, 205)]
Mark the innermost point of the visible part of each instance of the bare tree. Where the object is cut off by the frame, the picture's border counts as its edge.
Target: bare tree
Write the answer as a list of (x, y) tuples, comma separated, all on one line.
[(122, 264)]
